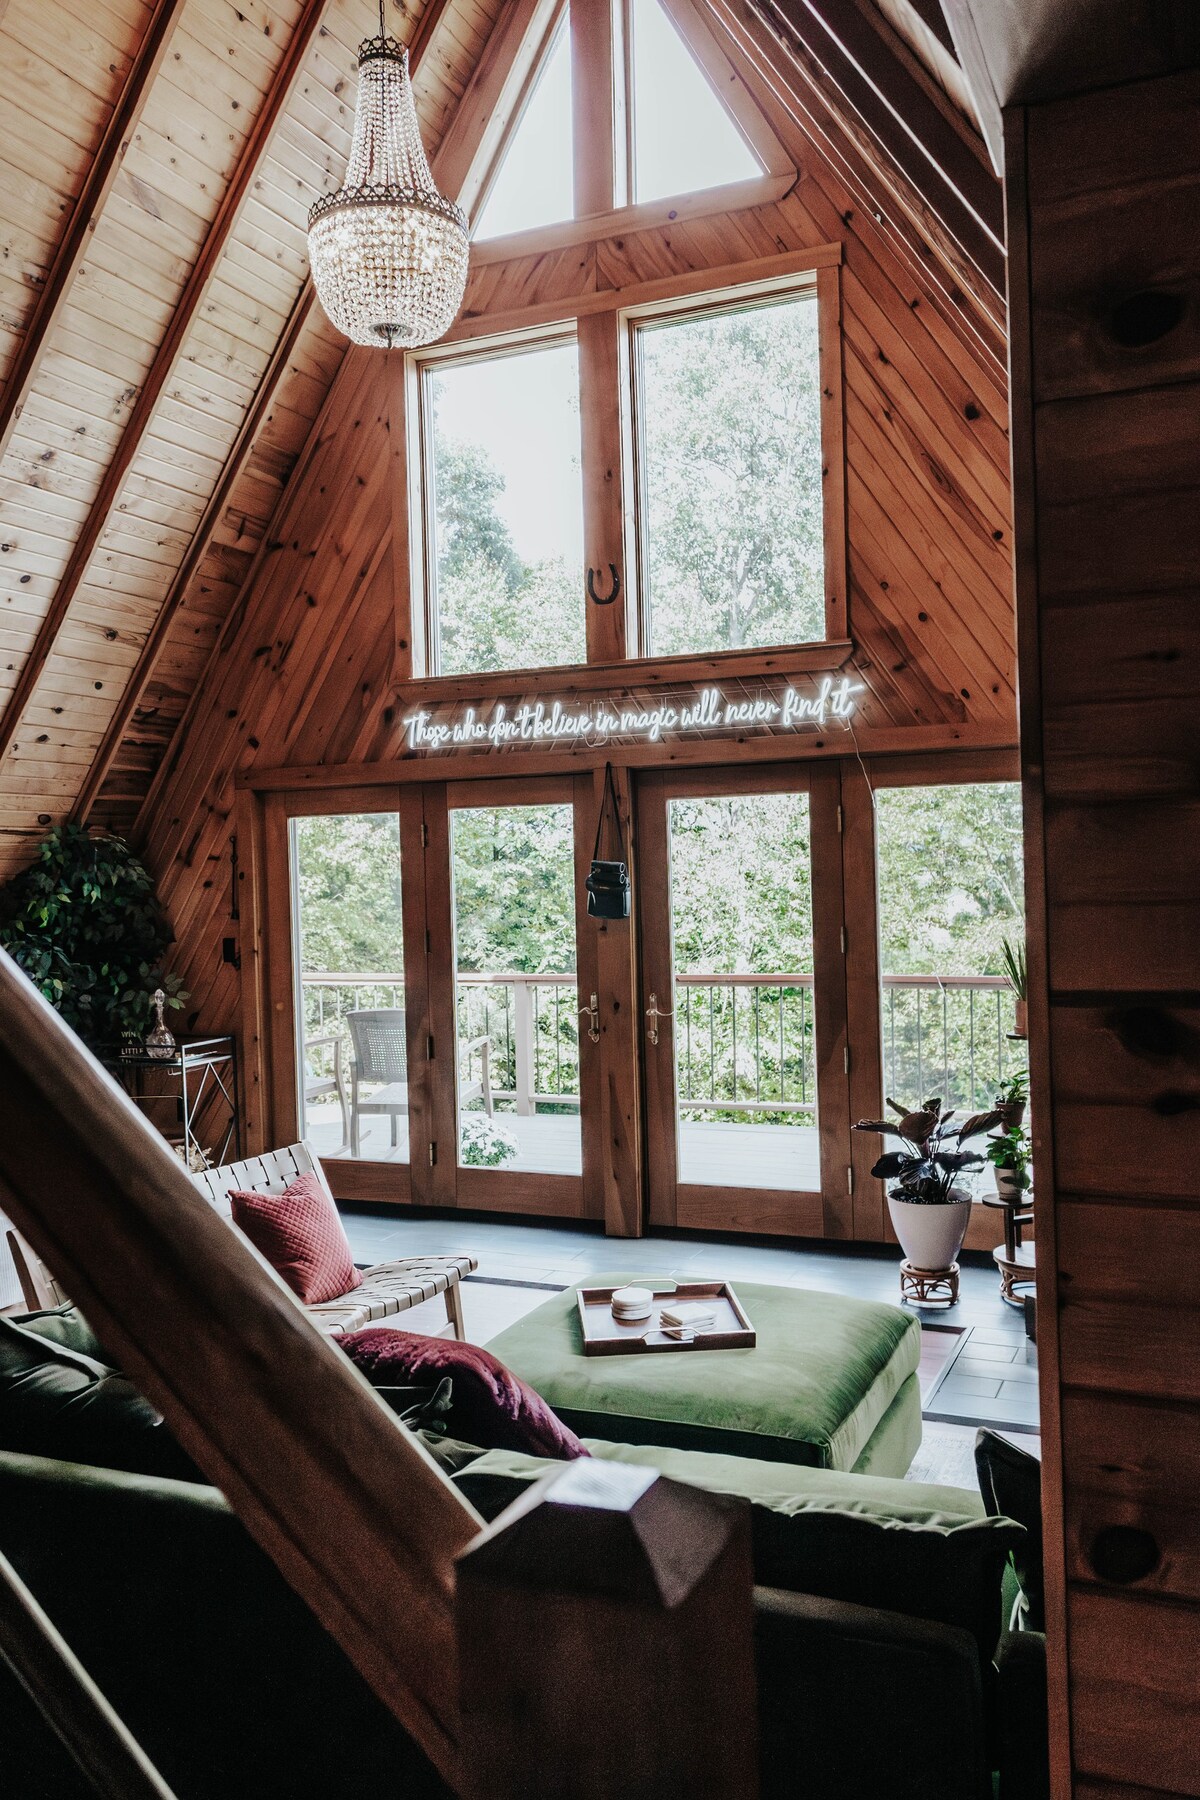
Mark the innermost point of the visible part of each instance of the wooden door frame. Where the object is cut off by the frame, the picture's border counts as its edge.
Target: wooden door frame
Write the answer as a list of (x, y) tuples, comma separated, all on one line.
[(271, 987), (861, 776), (782, 1212)]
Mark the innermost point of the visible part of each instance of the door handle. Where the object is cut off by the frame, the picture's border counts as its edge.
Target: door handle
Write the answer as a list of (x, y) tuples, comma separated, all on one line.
[(593, 1015), (655, 1012)]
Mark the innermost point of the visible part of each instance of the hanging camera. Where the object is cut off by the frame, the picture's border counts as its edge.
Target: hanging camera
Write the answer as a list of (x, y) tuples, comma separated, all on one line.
[(608, 883)]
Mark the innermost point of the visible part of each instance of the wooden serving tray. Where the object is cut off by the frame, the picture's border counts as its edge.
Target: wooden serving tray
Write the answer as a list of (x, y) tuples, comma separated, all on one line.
[(605, 1336)]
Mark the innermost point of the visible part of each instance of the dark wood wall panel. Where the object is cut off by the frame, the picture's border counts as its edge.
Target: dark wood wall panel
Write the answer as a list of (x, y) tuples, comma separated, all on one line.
[(1105, 201)]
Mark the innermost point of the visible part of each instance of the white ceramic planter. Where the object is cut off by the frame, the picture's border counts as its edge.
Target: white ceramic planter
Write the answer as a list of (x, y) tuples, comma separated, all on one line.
[(931, 1236)]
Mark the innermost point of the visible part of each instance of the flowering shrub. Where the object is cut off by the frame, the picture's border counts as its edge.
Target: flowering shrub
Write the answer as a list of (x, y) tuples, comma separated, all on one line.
[(485, 1145)]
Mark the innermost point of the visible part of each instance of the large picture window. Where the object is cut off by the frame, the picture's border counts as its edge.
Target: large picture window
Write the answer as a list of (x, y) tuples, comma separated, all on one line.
[(504, 510), (729, 449)]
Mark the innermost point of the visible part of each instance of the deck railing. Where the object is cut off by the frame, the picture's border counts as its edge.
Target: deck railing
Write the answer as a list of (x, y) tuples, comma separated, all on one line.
[(743, 1043)]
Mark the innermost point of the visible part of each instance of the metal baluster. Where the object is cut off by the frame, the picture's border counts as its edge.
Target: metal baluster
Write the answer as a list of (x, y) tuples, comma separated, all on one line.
[(803, 1046), (733, 1086), (687, 1017), (782, 1051), (757, 1048), (712, 1045), (510, 1061), (558, 1086), (920, 1057), (999, 1040), (537, 1038), (946, 1087), (974, 1104)]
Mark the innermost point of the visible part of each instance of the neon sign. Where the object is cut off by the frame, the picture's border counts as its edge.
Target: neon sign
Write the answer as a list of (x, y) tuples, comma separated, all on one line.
[(599, 721)]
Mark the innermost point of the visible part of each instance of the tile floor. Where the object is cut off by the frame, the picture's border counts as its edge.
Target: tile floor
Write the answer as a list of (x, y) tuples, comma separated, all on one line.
[(987, 1376)]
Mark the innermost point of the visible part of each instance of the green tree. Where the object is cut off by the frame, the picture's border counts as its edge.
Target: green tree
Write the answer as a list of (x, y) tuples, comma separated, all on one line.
[(731, 430)]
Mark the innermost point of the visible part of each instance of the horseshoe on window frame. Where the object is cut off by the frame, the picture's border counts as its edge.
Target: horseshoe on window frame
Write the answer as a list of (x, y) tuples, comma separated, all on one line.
[(603, 599)]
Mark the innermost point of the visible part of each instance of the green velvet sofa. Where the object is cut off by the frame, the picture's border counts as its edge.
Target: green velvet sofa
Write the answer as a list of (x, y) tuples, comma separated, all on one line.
[(878, 1611)]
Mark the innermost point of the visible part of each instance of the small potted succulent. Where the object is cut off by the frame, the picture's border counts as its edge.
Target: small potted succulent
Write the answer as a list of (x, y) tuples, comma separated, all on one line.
[(1012, 1097), (929, 1210), (1008, 1153)]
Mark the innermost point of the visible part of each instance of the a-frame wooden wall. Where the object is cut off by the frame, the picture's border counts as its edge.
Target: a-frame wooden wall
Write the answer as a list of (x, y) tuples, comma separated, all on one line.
[(303, 671)]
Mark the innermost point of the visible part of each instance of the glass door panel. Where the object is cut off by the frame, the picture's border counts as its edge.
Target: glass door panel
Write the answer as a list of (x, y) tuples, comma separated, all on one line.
[(744, 1033), (950, 860), (516, 992), (350, 1011)]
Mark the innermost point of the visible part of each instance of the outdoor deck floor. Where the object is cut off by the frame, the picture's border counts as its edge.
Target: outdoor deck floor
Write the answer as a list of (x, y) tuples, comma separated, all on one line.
[(724, 1155)]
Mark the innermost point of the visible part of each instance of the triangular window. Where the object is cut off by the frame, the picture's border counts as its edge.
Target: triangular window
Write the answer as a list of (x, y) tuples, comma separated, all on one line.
[(683, 137), (534, 184)]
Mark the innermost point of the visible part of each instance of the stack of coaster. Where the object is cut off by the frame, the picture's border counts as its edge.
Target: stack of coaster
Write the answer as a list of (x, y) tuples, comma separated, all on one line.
[(632, 1304), (688, 1320)]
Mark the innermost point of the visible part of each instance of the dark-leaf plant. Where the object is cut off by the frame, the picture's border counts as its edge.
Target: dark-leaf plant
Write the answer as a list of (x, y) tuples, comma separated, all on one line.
[(84, 923), (927, 1168)]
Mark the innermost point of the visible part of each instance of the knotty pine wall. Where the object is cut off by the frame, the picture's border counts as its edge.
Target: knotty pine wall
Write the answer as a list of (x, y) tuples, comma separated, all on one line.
[(302, 672), (1104, 200)]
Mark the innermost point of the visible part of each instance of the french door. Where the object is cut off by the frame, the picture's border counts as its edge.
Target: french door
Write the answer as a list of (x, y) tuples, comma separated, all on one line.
[(744, 1000), (431, 1002), (449, 1028)]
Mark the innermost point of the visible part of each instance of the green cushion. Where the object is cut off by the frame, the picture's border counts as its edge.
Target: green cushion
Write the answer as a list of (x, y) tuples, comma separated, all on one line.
[(59, 1401), (67, 1327), (896, 1439), (822, 1376), (928, 1552)]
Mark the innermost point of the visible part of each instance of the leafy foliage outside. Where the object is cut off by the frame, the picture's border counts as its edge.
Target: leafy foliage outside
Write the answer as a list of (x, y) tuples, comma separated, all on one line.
[(741, 903), (731, 439), (84, 923)]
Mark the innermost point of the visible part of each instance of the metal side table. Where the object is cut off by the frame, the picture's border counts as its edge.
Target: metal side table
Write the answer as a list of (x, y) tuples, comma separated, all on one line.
[(201, 1082)]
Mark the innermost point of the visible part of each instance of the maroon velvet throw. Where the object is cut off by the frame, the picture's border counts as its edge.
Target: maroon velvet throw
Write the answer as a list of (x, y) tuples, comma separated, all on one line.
[(492, 1408)]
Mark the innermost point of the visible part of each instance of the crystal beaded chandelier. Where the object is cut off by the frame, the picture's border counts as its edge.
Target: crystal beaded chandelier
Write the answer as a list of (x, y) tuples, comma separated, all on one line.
[(388, 253)]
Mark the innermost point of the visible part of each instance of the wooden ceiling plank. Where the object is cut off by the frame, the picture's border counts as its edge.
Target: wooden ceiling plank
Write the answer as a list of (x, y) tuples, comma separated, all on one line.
[(235, 465), (163, 364), (457, 152), (899, 113), (135, 689), (75, 240)]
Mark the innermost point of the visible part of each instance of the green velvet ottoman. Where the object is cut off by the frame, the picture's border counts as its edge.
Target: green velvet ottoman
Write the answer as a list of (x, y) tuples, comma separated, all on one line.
[(831, 1382)]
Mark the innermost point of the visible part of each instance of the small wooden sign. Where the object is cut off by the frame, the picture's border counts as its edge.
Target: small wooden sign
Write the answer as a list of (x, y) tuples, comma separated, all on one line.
[(603, 1335)]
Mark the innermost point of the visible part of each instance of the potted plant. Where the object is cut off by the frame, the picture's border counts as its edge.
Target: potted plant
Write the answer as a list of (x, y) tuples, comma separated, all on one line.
[(1008, 1153), (485, 1145), (929, 1210), (1012, 1097), (1013, 957), (84, 923)]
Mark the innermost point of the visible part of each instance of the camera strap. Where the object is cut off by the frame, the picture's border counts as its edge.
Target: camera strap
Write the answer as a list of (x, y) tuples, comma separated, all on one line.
[(610, 790)]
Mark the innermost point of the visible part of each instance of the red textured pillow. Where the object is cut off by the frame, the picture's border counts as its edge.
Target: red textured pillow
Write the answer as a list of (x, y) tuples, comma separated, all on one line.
[(492, 1408), (302, 1237)]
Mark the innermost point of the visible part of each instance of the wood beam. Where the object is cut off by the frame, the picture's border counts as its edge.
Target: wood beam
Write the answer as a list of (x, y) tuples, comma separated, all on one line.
[(475, 141), (460, 150), (929, 150), (159, 372), (598, 106), (76, 239), (197, 550), (214, 512)]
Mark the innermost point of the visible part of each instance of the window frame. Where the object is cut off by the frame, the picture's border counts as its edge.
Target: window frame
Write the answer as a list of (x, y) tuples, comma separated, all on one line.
[(421, 474), (821, 285)]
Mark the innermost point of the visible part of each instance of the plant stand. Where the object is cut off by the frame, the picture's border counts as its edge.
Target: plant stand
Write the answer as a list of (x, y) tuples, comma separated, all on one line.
[(1015, 1261), (928, 1287)]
